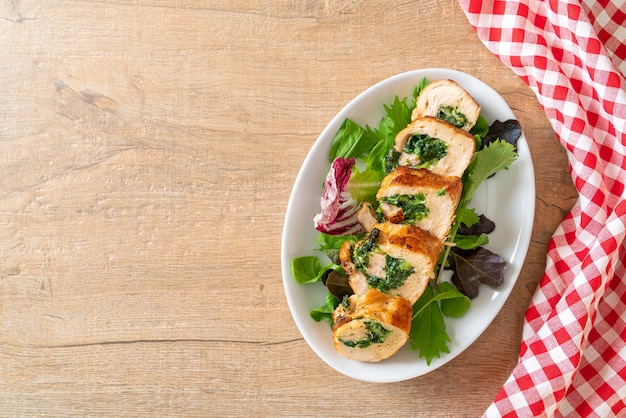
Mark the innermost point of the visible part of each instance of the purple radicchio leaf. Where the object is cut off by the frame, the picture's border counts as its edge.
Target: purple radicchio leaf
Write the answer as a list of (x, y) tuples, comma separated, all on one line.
[(475, 267), (339, 208), (483, 226), (510, 130)]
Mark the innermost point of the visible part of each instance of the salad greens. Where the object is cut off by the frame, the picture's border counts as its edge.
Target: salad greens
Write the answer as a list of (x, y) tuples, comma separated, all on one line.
[(360, 157)]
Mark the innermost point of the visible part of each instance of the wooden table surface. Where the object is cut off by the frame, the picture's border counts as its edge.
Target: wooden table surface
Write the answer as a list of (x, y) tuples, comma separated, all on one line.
[(148, 151)]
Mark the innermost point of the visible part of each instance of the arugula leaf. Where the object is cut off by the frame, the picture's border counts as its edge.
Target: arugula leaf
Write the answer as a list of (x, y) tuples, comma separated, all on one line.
[(324, 312), (466, 216), (351, 141), (428, 329), (397, 116), (471, 268), (309, 269), (418, 89), (493, 157)]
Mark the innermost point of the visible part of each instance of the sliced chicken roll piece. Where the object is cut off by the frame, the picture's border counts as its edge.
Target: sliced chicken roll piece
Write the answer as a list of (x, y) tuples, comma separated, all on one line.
[(367, 216), (433, 144), (445, 99), (371, 327), (395, 259), (421, 198)]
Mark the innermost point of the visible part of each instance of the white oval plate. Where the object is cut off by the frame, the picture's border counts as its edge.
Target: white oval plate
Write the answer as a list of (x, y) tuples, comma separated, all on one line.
[(507, 198)]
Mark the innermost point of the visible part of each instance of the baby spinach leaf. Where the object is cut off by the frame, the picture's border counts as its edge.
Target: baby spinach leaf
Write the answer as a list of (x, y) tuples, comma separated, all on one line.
[(306, 269), (324, 312), (309, 269), (480, 129), (469, 242), (376, 159), (476, 267), (453, 303)]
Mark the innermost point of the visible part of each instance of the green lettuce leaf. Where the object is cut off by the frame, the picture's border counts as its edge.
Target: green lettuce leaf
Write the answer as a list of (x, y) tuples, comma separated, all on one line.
[(428, 329), (351, 141), (309, 269), (493, 157)]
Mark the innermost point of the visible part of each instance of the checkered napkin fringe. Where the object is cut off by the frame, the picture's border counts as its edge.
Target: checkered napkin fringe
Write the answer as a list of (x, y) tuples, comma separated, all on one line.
[(573, 56)]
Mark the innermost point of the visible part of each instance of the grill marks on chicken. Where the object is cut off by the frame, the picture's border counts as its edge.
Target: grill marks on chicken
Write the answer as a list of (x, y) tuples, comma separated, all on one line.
[(390, 269)]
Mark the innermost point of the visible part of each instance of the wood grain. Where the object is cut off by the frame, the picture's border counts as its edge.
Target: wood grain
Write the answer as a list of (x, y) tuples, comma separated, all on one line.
[(148, 150)]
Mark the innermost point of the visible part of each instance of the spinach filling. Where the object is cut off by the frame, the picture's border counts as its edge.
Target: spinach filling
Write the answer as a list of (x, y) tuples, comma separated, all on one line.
[(452, 115), (396, 272), (429, 150), (413, 206), (361, 254), (391, 160), (375, 334)]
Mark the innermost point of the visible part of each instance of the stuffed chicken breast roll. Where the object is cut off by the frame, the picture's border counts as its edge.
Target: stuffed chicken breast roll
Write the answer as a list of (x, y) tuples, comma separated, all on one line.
[(433, 144), (445, 99), (394, 258), (371, 327), (421, 198)]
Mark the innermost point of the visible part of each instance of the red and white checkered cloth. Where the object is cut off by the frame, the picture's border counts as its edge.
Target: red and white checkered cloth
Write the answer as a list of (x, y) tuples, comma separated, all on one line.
[(573, 56)]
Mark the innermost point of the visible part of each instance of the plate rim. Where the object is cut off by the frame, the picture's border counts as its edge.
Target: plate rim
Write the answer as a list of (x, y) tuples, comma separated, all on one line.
[(519, 253)]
